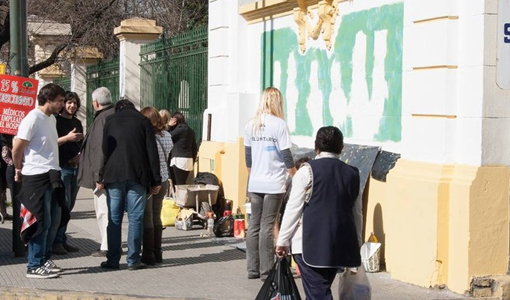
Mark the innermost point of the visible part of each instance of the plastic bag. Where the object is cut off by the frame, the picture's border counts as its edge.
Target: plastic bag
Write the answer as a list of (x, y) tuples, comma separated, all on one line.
[(279, 283), (184, 219), (224, 227), (169, 211), (354, 285)]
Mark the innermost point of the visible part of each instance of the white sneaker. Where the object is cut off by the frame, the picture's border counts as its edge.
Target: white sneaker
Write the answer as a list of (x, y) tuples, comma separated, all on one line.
[(50, 265), (41, 273)]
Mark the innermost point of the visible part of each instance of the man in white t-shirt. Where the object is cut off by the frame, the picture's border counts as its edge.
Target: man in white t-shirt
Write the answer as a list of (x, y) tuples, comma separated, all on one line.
[(35, 157)]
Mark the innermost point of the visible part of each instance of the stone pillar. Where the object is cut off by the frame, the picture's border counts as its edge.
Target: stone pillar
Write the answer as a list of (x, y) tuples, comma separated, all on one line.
[(133, 33), (82, 57)]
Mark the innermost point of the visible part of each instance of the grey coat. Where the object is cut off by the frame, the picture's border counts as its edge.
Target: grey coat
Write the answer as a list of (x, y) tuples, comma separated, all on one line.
[(92, 157)]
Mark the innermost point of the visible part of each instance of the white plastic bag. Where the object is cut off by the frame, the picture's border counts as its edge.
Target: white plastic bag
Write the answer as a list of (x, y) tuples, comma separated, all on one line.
[(354, 285)]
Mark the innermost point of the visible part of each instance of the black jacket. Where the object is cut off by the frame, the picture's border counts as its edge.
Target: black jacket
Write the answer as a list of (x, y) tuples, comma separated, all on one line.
[(32, 197), (92, 158), (130, 150), (185, 145)]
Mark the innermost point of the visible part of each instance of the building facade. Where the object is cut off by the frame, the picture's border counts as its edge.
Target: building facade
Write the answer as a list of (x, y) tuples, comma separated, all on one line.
[(429, 80)]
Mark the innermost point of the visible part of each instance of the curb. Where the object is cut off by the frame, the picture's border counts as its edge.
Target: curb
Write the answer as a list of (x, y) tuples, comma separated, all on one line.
[(33, 294)]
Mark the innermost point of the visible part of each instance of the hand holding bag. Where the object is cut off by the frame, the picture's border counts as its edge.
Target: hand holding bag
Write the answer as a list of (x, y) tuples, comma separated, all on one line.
[(279, 283), (354, 285)]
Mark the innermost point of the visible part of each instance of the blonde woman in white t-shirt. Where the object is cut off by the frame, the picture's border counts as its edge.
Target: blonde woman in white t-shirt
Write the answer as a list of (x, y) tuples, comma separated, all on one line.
[(269, 161)]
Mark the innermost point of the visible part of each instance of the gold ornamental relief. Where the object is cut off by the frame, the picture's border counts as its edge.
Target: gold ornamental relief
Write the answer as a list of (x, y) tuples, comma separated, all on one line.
[(309, 25), (324, 25)]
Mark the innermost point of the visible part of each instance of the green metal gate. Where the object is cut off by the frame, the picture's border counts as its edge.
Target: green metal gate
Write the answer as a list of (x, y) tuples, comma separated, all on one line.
[(102, 74), (64, 82), (173, 73)]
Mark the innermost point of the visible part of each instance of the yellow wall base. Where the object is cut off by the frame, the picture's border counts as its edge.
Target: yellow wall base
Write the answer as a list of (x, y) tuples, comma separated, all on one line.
[(226, 161), (441, 224)]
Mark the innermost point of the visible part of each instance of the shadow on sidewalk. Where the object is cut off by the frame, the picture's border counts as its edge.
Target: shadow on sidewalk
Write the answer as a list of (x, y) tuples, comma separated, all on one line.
[(223, 256), (86, 246)]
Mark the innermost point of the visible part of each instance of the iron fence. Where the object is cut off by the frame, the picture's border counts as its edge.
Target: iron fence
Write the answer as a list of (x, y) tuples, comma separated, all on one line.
[(173, 73), (64, 82), (102, 74)]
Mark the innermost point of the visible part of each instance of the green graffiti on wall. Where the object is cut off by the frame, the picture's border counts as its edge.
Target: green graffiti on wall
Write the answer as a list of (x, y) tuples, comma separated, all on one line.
[(279, 45)]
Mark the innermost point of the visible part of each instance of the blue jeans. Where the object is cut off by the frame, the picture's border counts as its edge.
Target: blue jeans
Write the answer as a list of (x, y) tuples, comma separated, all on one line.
[(69, 175), (39, 247), (123, 196)]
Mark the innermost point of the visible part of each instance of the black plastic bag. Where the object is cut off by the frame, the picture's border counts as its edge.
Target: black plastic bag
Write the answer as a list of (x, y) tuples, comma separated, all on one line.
[(224, 227), (279, 283)]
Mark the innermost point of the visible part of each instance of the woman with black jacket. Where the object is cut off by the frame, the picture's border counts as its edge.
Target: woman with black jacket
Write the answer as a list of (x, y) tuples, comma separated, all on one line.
[(185, 149)]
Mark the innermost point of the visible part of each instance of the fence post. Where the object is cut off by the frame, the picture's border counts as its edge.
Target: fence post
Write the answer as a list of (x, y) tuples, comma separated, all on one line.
[(80, 58), (132, 33)]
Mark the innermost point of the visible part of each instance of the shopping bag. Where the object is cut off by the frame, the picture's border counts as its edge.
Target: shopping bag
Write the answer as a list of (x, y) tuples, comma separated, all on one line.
[(184, 219), (169, 211), (279, 283), (354, 285), (169, 208)]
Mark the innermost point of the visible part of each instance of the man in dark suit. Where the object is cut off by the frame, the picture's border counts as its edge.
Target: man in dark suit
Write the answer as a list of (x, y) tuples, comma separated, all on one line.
[(320, 212), (131, 170)]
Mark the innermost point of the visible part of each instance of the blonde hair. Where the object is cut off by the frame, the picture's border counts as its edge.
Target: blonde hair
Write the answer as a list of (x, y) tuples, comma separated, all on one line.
[(271, 102), (153, 115), (165, 117)]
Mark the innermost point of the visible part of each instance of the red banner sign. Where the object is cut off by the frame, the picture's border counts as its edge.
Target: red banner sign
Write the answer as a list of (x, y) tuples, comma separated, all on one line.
[(18, 96)]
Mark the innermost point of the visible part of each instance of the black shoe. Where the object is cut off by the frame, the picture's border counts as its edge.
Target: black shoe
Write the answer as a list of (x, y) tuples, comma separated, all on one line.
[(137, 266), (148, 259), (70, 248), (107, 265), (58, 249), (99, 253), (253, 276), (41, 273), (52, 266), (158, 255)]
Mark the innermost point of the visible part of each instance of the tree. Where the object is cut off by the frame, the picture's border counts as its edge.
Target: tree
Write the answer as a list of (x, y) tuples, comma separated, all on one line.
[(93, 21)]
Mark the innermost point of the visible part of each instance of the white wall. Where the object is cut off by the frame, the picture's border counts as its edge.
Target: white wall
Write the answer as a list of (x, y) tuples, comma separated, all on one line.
[(452, 111)]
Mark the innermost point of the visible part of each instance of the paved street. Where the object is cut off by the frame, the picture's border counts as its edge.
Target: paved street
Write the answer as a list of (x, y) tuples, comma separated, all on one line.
[(193, 268)]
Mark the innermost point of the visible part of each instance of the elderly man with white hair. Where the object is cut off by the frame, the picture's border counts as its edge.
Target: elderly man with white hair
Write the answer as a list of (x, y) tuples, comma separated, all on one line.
[(90, 173)]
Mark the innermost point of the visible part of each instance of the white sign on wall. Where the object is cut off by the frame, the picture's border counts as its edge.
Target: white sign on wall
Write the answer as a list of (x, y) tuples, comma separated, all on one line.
[(503, 59)]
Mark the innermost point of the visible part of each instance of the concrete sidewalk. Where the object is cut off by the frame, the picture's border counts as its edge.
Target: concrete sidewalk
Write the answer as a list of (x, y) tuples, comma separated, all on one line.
[(193, 268)]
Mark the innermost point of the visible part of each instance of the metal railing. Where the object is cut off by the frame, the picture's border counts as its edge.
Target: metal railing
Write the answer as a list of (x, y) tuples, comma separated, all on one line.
[(173, 73), (64, 82), (102, 74)]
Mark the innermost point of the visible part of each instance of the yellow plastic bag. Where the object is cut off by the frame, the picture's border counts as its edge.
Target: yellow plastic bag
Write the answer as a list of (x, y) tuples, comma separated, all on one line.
[(169, 212)]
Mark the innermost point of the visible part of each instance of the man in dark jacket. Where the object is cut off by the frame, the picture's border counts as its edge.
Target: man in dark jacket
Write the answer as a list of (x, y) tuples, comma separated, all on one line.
[(131, 170), (90, 172), (320, 211)]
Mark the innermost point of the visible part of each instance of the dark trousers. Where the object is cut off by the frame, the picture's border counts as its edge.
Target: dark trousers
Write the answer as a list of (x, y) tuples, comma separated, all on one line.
[(179, 176), (316, 281), (17, 245)]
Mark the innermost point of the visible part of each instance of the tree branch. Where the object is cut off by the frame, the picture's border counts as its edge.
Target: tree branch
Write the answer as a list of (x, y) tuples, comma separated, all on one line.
[(5, 31), (95, 16), (49, 61)]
